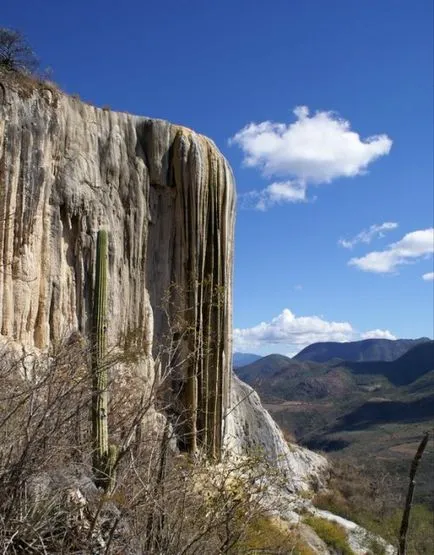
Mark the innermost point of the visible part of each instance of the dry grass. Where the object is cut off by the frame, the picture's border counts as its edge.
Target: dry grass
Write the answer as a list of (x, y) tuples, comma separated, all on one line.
[(26, 84)]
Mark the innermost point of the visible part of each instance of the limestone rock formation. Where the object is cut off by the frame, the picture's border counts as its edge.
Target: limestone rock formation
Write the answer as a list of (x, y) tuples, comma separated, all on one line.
[(166, 196), (249, 427)]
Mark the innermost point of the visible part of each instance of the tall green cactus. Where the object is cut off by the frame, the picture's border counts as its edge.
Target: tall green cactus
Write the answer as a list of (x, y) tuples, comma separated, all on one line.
[(102, 454)]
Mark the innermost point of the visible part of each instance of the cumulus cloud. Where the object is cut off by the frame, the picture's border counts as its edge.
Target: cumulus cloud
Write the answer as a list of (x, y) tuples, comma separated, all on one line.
[(280, 192), (367, 235), (428, 277), (377, 334), (288, 329), (290, 333), (412, 246), (312, 150)]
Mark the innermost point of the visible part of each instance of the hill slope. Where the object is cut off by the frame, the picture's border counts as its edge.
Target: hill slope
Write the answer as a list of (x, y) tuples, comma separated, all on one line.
[(241, 359), (262, 368)]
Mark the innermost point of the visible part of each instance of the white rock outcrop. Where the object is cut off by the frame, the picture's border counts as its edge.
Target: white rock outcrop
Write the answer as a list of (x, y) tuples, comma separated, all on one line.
[(358, 538), (166, 196), (249, 428)]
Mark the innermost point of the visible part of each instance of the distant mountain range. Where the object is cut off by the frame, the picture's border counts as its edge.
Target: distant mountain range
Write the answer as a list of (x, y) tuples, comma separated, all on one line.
[(352, 351), (280, 377), (373, 411), (359, 351), (355, 407)]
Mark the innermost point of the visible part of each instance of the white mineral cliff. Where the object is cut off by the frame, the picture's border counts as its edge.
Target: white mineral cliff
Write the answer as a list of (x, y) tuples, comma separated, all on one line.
[(166, 196), (249, 427)]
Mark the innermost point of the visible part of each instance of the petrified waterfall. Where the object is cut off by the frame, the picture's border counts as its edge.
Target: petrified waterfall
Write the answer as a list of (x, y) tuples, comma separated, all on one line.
[(166, 197)]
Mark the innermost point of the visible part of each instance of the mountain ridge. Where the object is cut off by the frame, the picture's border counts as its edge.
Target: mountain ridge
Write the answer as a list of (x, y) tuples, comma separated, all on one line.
[(364, 350), (292, 379)]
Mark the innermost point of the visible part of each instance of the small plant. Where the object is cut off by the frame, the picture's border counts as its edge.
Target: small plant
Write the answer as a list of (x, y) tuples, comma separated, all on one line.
[(331, 533)]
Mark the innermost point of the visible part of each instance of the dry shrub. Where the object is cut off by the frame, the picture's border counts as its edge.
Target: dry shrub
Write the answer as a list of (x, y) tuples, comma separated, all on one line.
[(162, 501)]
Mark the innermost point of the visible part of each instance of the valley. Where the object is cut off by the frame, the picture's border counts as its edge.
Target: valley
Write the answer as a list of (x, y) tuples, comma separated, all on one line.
[(369, 413)]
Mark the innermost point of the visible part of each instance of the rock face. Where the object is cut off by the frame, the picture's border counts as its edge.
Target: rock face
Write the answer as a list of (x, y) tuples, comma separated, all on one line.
[(166, 197), (249, 427)]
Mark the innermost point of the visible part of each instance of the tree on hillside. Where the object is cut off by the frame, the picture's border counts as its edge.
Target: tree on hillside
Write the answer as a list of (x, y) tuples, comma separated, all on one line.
[(15, 52)]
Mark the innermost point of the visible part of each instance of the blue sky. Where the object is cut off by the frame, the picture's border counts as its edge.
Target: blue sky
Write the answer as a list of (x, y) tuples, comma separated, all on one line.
[(353, 163)]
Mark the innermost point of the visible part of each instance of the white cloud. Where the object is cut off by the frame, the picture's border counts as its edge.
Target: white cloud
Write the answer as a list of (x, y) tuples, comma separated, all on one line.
[(377, 334), (288, 329), (312, 150), (280, 192), (367, 235), (412, 246), (292, 333), (428, 277)]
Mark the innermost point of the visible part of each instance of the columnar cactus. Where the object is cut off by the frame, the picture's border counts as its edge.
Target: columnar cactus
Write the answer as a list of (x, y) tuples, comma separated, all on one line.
[(101, 453)]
